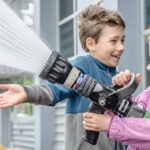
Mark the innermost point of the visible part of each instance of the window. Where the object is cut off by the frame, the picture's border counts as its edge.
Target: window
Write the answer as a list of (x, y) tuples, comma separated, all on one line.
[(147, 14), (66, 39), (146, 31), (66, 27), (65, 8), (147, 62)]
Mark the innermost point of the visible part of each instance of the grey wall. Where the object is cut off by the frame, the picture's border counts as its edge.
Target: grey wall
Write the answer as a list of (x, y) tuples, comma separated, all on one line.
[(48, 23), (4, 127), (131, 58), (44, 115)]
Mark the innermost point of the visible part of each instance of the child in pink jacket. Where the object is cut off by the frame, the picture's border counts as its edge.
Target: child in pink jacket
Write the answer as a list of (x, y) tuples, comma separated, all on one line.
[(134, 132)]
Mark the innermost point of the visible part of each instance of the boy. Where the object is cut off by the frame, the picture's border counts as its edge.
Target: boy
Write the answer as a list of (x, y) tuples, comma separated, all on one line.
[(134, 132), (101, 34)]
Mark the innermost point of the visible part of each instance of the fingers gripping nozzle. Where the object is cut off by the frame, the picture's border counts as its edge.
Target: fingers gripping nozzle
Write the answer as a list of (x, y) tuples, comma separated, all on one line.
[(92, 136), (120, 101)]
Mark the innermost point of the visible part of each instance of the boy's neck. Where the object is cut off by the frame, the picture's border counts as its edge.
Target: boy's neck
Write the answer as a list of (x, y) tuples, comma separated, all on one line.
[(96, 58), (100, 61)]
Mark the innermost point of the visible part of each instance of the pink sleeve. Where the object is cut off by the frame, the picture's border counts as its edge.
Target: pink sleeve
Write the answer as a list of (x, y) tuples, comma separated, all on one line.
[(144, 98), (134, 132)]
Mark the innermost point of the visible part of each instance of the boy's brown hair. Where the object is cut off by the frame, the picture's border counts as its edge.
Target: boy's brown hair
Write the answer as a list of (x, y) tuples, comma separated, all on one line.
[(92, 21)]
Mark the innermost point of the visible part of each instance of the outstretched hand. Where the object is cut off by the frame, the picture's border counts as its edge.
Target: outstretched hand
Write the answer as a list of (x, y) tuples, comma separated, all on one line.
[(15, 94)]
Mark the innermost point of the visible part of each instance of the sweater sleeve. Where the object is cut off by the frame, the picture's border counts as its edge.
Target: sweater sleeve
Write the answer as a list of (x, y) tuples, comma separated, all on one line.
[(134, 132), (38, 94), (47, 94), (144, 98)]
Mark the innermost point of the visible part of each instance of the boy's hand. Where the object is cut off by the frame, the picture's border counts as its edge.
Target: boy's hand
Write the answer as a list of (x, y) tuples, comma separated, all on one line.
[(15, 94), (123, 78), (96, 122)]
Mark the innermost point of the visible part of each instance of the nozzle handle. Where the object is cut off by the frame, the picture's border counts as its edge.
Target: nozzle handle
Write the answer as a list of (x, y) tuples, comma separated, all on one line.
[(129, 89), (92, 136)]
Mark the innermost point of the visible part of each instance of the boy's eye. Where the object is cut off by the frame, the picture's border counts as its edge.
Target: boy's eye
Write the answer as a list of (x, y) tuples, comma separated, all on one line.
[(113, 41), (122, 40)]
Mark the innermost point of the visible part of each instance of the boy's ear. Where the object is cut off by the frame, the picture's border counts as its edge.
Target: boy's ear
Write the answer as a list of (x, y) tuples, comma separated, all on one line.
[(90, 44)]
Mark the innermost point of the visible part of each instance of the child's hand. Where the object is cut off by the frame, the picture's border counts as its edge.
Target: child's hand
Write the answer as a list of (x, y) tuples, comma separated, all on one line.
[(96, 122), (123, 78), (13, 95), (148, 67)]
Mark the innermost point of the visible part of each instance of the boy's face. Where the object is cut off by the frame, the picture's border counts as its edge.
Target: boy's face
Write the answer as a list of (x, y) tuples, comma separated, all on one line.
[(110, 46)]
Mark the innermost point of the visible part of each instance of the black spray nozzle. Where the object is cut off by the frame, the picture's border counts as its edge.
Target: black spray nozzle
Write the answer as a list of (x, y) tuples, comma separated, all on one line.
[(56, 69)]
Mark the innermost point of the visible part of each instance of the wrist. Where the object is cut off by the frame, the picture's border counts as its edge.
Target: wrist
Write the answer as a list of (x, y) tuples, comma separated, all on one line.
[(26, 97), (109, 126), (107, 123)]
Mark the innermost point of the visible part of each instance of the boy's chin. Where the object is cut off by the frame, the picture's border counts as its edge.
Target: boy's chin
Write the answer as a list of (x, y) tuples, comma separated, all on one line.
[(114, 64)]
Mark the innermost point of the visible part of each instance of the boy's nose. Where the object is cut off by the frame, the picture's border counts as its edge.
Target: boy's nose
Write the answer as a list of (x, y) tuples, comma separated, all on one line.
[(121, 47)]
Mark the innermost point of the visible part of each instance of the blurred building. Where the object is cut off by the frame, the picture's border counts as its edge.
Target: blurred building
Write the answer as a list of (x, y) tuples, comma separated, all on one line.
[(55, 21)]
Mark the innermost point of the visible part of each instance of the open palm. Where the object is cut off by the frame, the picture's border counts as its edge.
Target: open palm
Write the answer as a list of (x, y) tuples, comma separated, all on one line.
[(15, 94)]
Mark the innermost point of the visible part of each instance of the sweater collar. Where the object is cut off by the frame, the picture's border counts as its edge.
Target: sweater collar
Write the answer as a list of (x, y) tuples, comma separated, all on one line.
[(101, 65)]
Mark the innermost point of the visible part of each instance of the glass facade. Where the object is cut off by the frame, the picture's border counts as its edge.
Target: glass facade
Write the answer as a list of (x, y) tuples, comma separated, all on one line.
[(65, 8), (147, 62), (146, 28), (66, 39), (24, 10), (147, 14), (66, 29)]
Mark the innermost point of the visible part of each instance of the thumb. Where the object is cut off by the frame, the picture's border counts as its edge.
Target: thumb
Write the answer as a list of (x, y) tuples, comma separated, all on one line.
[(4, 86), (148, 67), (87, 115), (138, 78)]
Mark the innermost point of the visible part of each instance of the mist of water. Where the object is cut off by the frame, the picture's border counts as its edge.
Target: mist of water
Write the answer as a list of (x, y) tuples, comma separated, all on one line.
[(20, 47)]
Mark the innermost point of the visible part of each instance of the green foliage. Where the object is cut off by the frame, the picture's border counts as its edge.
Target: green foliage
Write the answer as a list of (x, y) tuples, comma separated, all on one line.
[(25, 82), (29, 109), (26, 108), (147, 115)]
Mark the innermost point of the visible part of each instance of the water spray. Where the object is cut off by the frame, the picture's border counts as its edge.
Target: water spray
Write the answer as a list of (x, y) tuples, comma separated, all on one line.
[(21, 45)]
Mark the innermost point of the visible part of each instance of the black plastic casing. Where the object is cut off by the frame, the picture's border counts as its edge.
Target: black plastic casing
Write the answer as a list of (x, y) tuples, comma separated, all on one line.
[(56, 69)]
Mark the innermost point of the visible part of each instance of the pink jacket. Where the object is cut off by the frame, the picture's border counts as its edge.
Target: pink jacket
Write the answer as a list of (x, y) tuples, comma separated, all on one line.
[(134, 132)]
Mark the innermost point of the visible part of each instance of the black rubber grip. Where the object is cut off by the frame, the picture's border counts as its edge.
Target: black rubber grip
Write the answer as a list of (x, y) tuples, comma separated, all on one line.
[(92, 136)]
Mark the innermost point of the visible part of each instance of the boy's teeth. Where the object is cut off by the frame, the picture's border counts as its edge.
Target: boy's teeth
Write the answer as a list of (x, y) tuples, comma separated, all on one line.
[(117, 56)]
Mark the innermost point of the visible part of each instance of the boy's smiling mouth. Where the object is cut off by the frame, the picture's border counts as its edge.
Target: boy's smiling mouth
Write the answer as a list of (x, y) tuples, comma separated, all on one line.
[(117, 57)]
